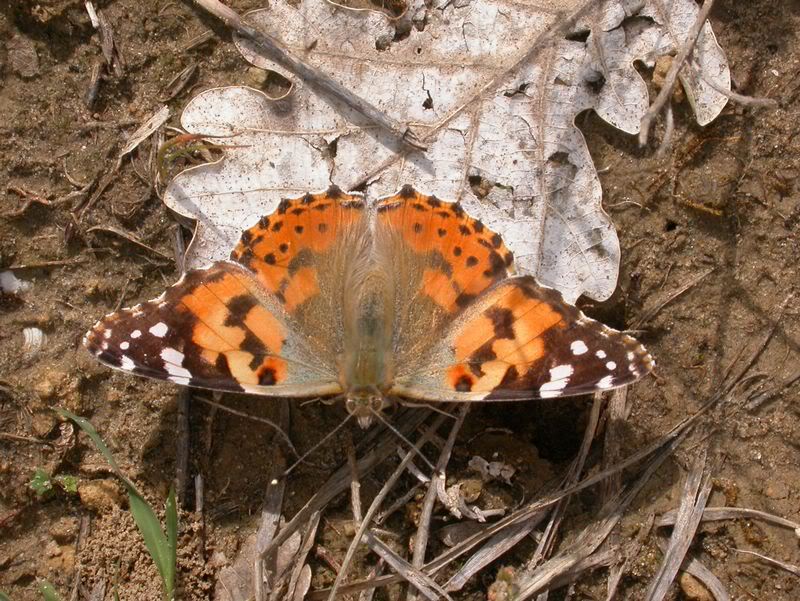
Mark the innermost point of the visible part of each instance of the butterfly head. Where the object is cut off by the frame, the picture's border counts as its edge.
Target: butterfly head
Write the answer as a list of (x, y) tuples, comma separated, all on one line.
[(364, 403)]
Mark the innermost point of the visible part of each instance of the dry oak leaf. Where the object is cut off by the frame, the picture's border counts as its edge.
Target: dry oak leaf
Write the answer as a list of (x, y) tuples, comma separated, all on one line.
[(497, 118)]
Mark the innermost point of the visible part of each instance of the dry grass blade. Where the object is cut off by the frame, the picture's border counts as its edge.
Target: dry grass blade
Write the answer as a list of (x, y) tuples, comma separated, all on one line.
[(652, 312), (380, 445), (495, 547), (505, 540), (300, 576), (545, 547), (715, 514), (418, 579), (762, 397), (376, 502), (731, 381), (792, 569), (662, 447), (630, 552), (556, 569), (695, 495)]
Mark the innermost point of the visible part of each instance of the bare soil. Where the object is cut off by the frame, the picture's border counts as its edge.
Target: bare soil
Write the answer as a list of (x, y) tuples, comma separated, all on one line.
[(723, 199)]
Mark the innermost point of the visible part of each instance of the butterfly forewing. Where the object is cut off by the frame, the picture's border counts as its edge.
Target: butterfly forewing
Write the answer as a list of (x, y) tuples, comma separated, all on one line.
[(441, 260)]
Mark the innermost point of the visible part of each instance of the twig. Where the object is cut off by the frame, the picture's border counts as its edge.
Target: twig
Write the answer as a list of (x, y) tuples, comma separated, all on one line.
[(46, 264), (30, 198), (19, 438), (672, 76), (130, 238), (423, 528), (276, 52), (650, 313), (775, 562), (182, 444), (731, 95)]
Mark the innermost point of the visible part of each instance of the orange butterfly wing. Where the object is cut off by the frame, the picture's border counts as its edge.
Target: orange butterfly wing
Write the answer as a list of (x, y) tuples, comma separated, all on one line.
[(264, 323), (466, 331)]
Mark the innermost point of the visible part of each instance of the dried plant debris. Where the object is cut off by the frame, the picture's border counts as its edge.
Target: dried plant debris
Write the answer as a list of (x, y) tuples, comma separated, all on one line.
[(493, 104)]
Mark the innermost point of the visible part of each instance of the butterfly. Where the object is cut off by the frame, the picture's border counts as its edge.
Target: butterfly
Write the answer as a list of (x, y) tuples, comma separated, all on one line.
[(410, 299)]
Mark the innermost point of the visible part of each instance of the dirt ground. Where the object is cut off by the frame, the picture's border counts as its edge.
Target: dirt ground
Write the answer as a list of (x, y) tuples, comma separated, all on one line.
[(723, 200)]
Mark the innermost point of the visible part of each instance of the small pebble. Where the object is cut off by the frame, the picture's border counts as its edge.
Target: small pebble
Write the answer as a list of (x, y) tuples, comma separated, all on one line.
[(100, 495), (692, 589)]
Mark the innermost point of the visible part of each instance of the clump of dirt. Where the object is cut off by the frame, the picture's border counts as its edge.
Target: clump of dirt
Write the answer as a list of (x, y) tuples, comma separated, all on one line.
[(721, 209)]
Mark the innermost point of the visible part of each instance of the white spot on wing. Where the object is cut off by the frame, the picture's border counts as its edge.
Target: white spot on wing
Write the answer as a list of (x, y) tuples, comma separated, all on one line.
[(600, 354), (136, 333), (124, 345), (611, 366), (173, 363), (159, 329), (630, 355), (107, 333), (606, 382), (127, 363), (559, 378), (578, 347)]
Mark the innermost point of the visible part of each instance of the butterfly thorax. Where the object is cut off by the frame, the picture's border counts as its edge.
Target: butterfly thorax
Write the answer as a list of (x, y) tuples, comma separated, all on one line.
[(366, 367)]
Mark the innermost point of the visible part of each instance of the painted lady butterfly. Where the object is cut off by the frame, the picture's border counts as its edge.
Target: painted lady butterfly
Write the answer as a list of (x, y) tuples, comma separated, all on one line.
[(410, 300)]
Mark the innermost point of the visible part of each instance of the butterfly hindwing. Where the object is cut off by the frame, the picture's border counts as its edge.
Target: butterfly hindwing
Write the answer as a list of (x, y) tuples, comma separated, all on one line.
[(520, 340)]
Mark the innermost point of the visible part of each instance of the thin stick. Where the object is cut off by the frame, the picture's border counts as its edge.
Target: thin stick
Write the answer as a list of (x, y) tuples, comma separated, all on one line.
[(769, 103), (669, 81), (423, 529), (276, 52)]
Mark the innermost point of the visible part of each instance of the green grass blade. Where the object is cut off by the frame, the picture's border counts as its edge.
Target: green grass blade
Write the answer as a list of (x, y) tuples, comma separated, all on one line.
[(4, 597), (171, 518), (154, 538), (48, 592), (87, 427), (162, 549)]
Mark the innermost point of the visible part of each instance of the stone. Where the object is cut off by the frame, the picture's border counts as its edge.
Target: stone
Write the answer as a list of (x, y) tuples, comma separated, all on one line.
[(692, 588), (22, 57), (100, 495)]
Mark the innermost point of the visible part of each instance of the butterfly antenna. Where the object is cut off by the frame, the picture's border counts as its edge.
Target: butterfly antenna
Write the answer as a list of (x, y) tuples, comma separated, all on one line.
[(399, 434), (321, 442)]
